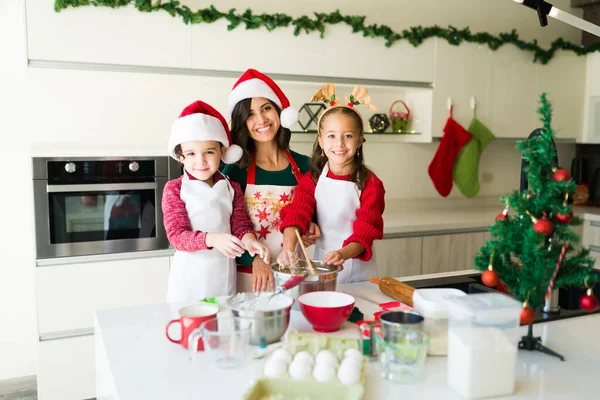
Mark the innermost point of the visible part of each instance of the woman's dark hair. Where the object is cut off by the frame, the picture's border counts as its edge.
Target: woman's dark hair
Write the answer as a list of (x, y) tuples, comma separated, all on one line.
[(241, 136), (360, 172)]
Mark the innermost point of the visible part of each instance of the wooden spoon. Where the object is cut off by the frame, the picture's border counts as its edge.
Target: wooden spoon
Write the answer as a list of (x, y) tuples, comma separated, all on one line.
[(310, 266)]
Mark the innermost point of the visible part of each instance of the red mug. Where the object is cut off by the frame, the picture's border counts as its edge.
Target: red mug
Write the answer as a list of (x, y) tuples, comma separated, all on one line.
[(191, 318)]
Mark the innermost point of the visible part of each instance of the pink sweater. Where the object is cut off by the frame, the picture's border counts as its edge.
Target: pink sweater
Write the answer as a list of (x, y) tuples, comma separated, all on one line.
[(178, 226)]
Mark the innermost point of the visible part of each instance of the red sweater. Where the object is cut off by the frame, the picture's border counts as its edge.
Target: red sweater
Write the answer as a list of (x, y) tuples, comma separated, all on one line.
[(178, 226), (368, 225)]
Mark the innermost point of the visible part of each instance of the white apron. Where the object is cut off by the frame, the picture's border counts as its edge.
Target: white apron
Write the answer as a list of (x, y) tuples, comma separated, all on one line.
[(204, 273), (263, 204), (337, 203)]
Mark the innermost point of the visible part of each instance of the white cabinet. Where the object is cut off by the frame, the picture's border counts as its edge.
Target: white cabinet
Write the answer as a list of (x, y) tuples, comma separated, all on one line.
[(66, 369), (591, 239), (563, 78), (512, 98), (461, 72), (68, 295), (591, 102), (106, 35)]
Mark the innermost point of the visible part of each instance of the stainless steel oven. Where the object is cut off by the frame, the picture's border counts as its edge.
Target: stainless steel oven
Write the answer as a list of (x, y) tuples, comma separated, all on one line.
[(88, 206)]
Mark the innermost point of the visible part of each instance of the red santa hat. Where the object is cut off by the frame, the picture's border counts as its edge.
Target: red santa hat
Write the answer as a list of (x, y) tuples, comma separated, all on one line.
[(255, 84), (200, 122)]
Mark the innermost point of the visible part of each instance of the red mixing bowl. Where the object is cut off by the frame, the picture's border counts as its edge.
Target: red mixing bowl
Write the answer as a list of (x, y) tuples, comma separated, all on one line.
[(326, 311)]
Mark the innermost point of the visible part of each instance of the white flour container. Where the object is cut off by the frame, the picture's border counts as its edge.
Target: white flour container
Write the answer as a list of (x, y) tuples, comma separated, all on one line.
[(432, 304), (482, 344)]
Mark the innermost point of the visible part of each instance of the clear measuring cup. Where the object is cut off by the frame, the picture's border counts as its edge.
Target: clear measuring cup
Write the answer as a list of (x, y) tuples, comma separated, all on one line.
[(225, 341)]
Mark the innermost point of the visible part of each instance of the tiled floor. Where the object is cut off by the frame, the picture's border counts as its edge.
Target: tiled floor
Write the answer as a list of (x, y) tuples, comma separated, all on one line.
[(19, 389)]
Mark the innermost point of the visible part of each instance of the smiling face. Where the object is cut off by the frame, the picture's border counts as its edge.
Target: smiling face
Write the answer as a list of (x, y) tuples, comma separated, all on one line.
[(263, 120), (201, 159), (340, 138)]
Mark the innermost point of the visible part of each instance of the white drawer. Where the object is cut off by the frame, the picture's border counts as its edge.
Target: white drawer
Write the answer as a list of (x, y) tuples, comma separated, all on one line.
[(66, 369), (68, 295), (591, 233)]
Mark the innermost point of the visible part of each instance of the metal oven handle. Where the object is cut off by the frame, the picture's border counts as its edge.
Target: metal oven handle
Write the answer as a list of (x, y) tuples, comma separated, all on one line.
[(100, 187)]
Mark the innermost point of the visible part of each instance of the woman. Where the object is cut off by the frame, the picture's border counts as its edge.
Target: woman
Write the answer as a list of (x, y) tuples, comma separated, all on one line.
[(268, 171)]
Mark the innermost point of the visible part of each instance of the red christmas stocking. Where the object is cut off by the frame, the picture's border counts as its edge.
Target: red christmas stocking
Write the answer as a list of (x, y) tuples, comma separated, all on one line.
[(440, 169)]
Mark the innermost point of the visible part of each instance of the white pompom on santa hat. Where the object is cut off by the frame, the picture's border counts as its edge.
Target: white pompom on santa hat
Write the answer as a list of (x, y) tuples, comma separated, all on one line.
[(255, 84), (201, 122)]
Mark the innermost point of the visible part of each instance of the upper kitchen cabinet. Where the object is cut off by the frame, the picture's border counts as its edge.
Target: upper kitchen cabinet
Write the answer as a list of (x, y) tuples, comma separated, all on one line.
[(513, 95), (354, 56), (215, 48), (104, 35), (591, 100), (461, 72), (563, 78)]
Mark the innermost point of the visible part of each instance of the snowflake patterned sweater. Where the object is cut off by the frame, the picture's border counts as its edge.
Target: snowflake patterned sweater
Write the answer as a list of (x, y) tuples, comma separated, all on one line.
[(368, 225), (177, 224)]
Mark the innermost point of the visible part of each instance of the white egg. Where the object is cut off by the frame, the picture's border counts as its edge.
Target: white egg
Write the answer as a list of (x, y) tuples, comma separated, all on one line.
[(299, 369), (305, 356), (326, 357), (353, 353), (324, 372), (282, 354), (348, 374), (275, 368), (355, 363)]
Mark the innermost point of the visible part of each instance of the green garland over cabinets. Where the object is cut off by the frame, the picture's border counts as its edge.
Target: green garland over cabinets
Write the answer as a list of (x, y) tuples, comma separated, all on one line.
[(414, 35)]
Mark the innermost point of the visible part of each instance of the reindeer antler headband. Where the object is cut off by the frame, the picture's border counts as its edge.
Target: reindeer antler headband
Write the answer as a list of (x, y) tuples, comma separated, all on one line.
[(327, 94)]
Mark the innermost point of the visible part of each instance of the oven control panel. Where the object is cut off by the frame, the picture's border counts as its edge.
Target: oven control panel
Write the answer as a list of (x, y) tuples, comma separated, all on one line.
[(100, 171)]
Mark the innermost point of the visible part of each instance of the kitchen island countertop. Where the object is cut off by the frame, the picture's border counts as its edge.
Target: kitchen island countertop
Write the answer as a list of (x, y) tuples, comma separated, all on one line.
[(134, 360)]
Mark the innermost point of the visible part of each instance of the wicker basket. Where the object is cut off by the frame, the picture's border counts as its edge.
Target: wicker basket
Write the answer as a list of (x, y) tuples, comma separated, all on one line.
[(399, 119)]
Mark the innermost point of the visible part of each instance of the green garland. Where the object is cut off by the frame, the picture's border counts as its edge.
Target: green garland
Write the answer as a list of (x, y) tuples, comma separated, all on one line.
[(414, 35)]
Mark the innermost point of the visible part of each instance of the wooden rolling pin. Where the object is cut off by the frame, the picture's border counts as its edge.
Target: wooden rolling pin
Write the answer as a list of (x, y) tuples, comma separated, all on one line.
[(395, 289)]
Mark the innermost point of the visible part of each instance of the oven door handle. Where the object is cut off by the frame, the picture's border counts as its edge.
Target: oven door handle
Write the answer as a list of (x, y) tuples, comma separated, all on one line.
[(101, 187)]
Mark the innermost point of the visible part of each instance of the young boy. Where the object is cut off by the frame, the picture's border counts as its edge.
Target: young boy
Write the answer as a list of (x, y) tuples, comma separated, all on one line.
[(204, 213)]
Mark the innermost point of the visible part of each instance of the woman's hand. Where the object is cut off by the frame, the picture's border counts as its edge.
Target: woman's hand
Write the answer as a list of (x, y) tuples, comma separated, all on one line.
[(262, 277), (255, 247), (227, 244), (334, 258), (311, 236), (287, 258)]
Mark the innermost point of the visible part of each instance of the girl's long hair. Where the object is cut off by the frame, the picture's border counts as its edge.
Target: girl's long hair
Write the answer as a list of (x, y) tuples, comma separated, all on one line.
[(241, 136), (360, 172)]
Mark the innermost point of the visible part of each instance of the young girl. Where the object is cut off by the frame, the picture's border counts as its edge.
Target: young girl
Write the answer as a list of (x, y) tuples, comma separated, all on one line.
[(203, 212), (346, 196)]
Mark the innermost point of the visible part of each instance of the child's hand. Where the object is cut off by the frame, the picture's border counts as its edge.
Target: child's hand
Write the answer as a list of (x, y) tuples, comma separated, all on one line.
[(227, 244), (311, 236), (255, 247), (334, 258), (287, 258)]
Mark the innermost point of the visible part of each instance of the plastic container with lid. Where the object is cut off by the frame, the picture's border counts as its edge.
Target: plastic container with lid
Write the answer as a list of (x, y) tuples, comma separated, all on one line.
[(483, 333), (432, 304)]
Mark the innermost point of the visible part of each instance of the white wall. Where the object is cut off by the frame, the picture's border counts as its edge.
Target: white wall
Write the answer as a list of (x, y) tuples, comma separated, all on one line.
[(87, 108)]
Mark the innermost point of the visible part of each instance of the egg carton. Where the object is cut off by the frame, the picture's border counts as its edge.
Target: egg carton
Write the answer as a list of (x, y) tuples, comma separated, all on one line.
[(286, 388)]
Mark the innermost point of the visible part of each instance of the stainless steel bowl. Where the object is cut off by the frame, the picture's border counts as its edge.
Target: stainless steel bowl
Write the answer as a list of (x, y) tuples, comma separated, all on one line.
[(325, 278), (267, 326)]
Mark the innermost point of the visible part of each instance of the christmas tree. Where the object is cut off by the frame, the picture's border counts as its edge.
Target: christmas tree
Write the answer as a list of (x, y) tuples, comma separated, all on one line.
[(533, 249)]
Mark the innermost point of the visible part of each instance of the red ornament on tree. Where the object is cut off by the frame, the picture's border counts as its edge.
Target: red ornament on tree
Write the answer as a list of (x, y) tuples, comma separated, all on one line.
[(526, 315), (589, 302), (500, 217), (564, 218), (490, 278), (543, 226), (560, 175)]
